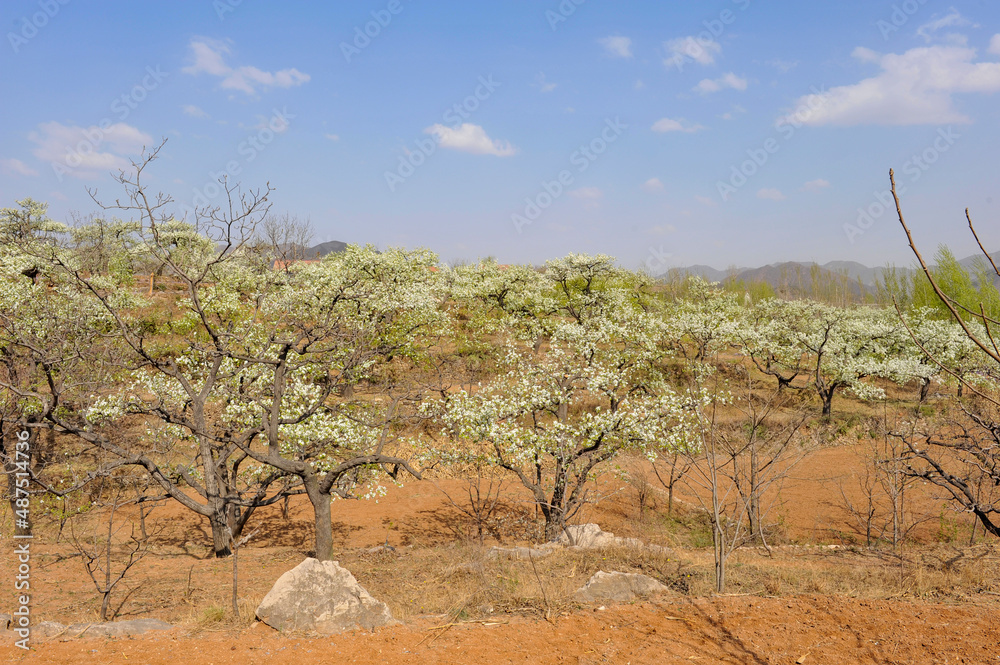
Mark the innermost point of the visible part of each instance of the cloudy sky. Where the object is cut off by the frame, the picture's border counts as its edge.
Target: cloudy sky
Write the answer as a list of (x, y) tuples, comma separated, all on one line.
[(731, 132)]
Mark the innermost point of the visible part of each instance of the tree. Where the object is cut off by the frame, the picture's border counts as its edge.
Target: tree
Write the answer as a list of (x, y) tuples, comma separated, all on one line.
[(703, 320), (577, 387), (961, 457), (331, 329), (735, 463), (166, 373), (835, 349), (44, 327), (114, 547)]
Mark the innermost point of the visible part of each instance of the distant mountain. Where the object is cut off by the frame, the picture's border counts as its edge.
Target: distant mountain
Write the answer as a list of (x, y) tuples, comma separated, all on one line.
[(796, 278), (324, 248)]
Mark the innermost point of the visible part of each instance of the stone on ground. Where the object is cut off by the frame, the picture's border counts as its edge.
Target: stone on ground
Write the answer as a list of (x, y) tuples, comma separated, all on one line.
[(620, 587), (587, 536), (109, 629), (320, 596)]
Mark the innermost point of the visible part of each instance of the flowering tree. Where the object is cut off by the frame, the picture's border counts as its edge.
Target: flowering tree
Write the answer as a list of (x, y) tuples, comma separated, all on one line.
[(833, 348), (704, 320), (578, 387)]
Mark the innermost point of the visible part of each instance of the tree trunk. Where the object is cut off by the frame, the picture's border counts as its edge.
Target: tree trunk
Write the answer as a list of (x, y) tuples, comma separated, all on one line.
[(827, 397), (925, 386), (323, 519), (555, 524), (222, 534), (753, 509)]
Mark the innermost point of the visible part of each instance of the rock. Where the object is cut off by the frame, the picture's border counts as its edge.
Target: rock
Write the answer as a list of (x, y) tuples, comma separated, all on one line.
[(321, 597), (620, 587), (590, 536), (524, 553), (381, 549), (587, 536), (117, 628), (47, 629), (109, 629)]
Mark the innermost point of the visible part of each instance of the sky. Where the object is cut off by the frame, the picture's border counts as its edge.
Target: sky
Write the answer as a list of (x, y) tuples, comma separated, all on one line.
[(726, 133)]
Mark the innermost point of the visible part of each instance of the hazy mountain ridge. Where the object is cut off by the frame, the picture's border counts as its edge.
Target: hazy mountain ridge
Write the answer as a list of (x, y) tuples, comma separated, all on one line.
[(799, 276)]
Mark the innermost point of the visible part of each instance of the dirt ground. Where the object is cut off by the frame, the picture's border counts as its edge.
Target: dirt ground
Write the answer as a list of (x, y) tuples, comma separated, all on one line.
[(722, 630), (806, 605)]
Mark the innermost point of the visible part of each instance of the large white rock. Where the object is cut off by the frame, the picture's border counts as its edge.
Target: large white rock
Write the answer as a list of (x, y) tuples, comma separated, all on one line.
[(620, 587), (322, 597)]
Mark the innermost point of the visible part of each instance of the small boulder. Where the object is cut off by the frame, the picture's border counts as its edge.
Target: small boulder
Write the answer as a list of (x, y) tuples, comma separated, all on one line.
[(587, 536), (620, 587), (322, 597)]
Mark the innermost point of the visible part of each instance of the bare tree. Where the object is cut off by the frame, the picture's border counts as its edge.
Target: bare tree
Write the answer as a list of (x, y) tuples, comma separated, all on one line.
[(738, 462), (670, 469), (285, 239), (117, 543), (879, 503), (959, 458)]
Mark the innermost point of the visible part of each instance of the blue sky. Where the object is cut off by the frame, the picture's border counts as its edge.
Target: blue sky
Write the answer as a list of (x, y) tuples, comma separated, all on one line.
[(733, 132)]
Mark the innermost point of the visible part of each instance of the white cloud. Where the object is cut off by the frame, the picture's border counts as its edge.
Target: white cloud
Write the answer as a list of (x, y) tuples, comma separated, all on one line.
[(771, 194), (701, 51), (670, 125), (78, 150), (587, 193), (332, 137), (816, 185), (662, 229), (617, 46), (193, 111), (209, 59), (995, 45), (639, 85), (16, 167), (653, 185), (543, 84), (729, 80), (736, 110), (954, 19), (704, 200), (914, 88), (864, 54), (470, 138)]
